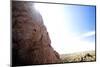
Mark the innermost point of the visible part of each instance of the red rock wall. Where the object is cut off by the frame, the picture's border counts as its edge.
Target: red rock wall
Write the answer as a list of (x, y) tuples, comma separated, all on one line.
[(30, 40)]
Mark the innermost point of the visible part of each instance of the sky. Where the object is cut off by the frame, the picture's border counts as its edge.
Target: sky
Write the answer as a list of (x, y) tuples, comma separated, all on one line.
[(71, 27)]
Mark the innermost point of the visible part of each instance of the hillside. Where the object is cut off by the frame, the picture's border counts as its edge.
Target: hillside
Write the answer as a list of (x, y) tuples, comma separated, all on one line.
[(86, 56)]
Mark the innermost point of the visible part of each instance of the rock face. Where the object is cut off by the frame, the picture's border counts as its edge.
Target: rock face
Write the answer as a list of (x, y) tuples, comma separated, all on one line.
[(30, 40)]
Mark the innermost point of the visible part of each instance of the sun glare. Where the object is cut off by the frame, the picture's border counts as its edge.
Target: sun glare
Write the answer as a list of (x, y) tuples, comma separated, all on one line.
[(62, 40)]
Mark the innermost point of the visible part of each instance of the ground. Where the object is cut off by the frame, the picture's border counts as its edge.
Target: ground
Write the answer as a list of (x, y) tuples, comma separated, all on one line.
[(86, 56)]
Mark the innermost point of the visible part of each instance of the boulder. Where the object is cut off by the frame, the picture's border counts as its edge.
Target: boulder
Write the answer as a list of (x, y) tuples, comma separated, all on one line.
[(31, 43)]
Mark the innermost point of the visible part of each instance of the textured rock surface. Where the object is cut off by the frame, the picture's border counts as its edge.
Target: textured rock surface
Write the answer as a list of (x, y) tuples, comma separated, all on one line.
[(30, 40)]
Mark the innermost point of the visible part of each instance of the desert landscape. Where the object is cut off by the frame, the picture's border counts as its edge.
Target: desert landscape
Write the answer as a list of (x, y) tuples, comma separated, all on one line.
[(87, 56), (31, 43)]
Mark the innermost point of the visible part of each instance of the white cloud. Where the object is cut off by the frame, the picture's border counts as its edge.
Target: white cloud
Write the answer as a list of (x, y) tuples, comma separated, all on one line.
[(90, 33)]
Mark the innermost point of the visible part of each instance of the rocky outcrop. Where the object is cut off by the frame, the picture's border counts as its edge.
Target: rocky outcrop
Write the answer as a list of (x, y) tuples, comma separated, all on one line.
[(30, 40)]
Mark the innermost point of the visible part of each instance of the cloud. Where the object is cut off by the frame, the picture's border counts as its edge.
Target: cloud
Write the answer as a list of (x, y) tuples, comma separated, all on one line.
[(90, 33)]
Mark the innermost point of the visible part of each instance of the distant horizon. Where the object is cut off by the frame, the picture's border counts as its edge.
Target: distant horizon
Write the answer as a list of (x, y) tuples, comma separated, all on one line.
[(71, 27), (87, 51)]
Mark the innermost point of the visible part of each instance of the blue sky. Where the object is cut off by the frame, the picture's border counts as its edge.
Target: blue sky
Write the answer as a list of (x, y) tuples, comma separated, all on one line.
[(71, 27), (83, 17)]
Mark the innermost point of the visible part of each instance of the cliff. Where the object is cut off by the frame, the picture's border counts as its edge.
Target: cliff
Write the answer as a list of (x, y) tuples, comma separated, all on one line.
[(30, 40)]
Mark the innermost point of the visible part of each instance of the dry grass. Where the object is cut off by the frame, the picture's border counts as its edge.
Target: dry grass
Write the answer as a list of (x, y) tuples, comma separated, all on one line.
[(86, 56)]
